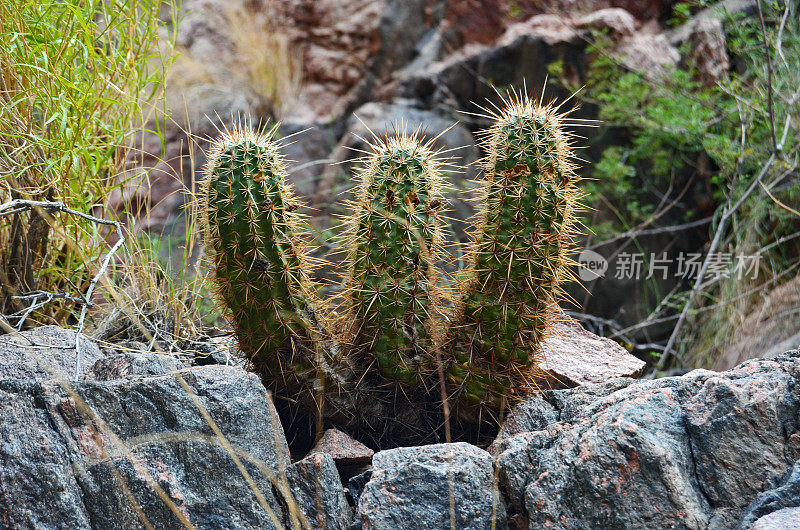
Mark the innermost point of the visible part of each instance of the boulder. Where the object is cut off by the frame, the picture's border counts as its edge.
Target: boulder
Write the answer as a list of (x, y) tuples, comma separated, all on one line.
[(45, 353), (433, 486), (783, 497), (680, 452), (780, 520), (132, 364), (202, 445), (708, 51)]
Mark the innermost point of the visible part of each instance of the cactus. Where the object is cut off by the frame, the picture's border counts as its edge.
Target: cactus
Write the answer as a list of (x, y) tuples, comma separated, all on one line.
[(256, 243), (394, 244), (402, 330), (518, 255)]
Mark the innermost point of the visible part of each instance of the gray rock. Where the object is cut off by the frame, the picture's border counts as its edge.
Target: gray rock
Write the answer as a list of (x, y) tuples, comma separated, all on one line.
[(45, 353), (680, 452), (107, 454), (542, 410), (780, 520), (433, 486), (318, 493), (133, 364), (736, 423), (785, 494), (37, 486)]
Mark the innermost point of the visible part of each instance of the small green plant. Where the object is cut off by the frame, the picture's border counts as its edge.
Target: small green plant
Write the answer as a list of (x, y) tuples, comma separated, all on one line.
[(401, 328)]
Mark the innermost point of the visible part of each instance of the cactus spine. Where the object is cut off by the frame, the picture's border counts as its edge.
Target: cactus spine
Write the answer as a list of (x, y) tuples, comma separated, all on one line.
[(255, 240), (394, 244), (518, 255)]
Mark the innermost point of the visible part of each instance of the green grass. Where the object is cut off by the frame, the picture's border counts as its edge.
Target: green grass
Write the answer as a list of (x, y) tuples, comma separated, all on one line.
[(79, 79)]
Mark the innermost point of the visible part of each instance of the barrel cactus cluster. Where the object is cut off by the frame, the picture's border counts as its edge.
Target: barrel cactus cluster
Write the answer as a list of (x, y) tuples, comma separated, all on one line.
[(401, 331)]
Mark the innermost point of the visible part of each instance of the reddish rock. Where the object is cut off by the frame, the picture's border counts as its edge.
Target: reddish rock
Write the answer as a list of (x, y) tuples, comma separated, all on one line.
[(343, 449), (573, 356)]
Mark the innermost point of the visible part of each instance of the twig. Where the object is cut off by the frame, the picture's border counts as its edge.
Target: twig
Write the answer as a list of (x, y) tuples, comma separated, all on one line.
[(653, 231), (44, 208)]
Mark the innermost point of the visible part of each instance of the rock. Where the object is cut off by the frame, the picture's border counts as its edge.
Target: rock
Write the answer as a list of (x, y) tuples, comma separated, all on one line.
[(343, 449), (44, 353), (434, 486), (619, 22), (472, 21), (38, 488), (356, 485), (715, 11), (350, 50), (540, 411), (780, 520), (76, 455), (679, 452), (129, 365), (573, 356), (553, 29), (784, 495), (318, 493), (648, 53), (708, 51)]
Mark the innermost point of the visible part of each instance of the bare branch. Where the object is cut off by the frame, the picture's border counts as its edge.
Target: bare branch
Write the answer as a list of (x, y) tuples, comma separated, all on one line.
[(44, 208)]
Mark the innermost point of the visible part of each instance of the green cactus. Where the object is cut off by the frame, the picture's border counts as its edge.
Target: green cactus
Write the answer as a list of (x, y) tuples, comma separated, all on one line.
[(394, 244), (256, 243), (402, 330), (519, 254)]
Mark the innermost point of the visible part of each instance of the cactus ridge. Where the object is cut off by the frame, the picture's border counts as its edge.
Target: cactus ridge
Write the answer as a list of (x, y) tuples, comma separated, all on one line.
[(519, 252), (257, 243), (394, 245)]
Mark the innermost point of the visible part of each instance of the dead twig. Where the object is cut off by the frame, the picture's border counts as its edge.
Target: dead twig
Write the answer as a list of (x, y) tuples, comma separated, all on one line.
[(45, 210)]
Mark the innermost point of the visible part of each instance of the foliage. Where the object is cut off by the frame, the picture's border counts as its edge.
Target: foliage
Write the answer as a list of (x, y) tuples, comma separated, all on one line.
[(678, 132), (78, 80)]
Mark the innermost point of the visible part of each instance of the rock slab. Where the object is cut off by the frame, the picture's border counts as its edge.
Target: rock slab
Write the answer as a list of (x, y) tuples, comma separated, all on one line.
[(129, 453)]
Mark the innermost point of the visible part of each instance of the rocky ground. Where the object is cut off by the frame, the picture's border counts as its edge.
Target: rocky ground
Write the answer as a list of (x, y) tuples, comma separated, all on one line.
[(140, 440)]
